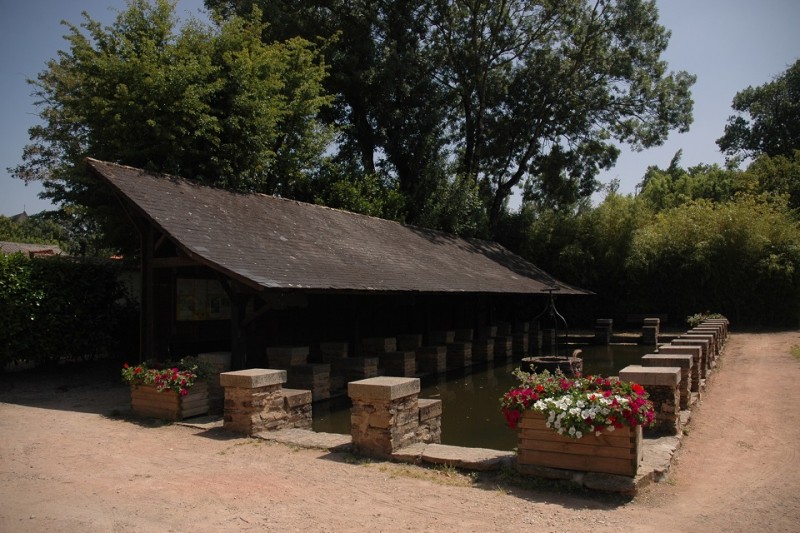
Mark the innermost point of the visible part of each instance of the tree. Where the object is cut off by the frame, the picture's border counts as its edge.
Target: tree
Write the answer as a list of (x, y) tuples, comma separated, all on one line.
[(388, 106), (773, 127), (740, 258), (213, 104), (508, 93)]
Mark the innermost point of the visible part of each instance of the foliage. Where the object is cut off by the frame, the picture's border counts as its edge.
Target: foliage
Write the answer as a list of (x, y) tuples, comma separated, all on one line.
[(501, 94), (740, 257), (698, 318), (577, 406), (773, 127), (58, 309), (178, 377), (213, 104), (36, 229), (777, 175), (336, 186)]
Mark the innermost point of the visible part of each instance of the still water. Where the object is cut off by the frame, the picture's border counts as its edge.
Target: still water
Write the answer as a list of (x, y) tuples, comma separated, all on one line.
[(471, 398)]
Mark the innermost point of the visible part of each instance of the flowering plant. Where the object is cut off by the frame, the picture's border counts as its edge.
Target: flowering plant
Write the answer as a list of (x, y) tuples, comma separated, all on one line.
[(577, 406), (173, 376)]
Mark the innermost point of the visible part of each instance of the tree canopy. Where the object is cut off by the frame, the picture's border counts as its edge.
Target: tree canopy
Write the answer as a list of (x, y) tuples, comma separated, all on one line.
[(489, 96), (767, 120), (213, 104)]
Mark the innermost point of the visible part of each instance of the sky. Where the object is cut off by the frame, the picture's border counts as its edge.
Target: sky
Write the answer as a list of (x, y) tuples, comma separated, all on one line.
[(728, 44)]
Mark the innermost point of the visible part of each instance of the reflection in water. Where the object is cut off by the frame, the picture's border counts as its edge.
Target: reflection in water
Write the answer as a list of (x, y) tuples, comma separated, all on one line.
[(470, 398)]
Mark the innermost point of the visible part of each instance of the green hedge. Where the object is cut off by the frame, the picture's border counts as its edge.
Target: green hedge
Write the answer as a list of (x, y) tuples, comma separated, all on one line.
[(57, 309)]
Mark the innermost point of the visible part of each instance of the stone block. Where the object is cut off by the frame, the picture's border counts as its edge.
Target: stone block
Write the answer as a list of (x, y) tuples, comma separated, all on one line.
[(503, 347), (684, 362), (252, 378), (649, 376), (429, 408), (483, 350), (519, 344), (357, 368), (459, 355), (649, 335), (432, 359), (705, 361), (522, 327), (296, 397), (286, 356), (332, 350), (314, 377), (695, 352), (403, 364), (383, 388)]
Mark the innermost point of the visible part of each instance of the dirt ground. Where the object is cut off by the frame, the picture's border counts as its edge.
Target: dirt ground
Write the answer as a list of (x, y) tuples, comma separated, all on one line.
[(69, 462)]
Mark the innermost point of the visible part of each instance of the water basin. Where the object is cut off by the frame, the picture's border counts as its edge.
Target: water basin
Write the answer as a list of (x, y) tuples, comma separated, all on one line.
[(470, 398)]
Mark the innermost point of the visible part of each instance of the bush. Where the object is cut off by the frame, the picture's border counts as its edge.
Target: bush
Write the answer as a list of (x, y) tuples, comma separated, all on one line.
[(59, 309)]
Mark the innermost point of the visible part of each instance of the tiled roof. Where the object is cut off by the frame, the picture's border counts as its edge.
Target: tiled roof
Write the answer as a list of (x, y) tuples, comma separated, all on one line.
[(275, 243), (29, 249)]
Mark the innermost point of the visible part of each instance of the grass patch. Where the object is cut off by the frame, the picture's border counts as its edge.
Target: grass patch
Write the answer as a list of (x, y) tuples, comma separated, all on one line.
[(441, 474), (795, 351)]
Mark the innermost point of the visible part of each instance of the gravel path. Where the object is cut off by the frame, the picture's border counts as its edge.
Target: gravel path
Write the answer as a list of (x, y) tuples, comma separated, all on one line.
[(68, 464)]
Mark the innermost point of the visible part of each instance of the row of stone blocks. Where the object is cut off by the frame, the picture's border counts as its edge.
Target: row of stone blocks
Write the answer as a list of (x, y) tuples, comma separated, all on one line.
[(403, 356), (387, 413), (604, 331), (676, 373)]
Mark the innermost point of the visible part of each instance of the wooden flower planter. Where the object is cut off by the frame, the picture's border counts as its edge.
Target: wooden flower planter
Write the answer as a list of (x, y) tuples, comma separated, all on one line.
[(169, 405), (618, 452)]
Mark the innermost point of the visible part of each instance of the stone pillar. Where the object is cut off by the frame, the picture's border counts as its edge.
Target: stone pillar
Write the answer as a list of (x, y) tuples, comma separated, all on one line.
[(441, 338), (430, 421), (297, 406), (218, 362), (712, 345), (697, 361), (709, 330), (704, 350), (385, 415), (723, 323), (253, 400), (403, 364), (335, 354), (374, 346), (650, 331), (283, 357), (603, 330), (357, 368), (432, 359), (503, 346), (459, 355), (662, 384), (682, 361), (316, 378), (483, 350)]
